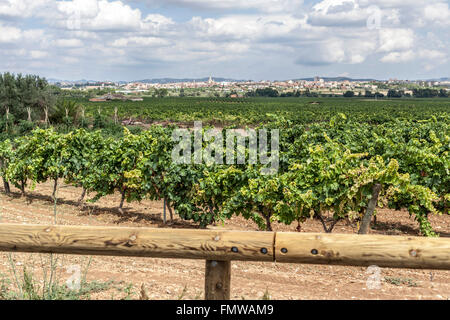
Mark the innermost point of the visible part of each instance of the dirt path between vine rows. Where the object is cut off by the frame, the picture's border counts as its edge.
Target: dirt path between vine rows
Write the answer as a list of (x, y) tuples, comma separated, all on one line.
[(174, 278)]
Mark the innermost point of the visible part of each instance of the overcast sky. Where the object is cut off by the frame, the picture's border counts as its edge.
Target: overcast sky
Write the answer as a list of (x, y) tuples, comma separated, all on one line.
[(253, 39)]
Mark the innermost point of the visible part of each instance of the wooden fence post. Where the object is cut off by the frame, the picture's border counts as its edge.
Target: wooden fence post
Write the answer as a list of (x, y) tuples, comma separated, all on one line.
[(217, 280)]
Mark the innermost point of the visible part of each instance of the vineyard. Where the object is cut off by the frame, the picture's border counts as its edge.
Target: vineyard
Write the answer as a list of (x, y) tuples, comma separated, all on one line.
[(327, 169), (254, 111), (345, 166)]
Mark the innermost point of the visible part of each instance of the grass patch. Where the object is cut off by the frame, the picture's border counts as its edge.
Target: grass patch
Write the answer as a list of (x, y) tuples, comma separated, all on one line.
[(401, 281), (32, 289)]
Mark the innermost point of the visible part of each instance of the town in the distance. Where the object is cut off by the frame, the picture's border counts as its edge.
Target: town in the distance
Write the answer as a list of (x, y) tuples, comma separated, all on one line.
[(221, 87)]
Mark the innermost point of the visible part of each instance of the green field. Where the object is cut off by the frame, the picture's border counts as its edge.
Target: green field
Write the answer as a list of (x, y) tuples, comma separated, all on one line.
[(250, 111)]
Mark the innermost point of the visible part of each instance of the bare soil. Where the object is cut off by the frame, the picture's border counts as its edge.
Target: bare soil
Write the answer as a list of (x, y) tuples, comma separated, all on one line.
[(184, 279)]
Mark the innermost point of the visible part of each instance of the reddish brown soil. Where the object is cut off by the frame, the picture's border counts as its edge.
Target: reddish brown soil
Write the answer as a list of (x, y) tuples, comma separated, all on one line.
[(173, 278)]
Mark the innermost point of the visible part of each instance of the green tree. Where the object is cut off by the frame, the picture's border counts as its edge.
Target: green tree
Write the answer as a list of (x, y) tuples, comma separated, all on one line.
[(349, 94)]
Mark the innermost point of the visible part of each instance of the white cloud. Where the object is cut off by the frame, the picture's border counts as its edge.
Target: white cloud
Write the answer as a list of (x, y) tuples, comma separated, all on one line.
[(79, 9), (438, 13), (432, 54), (396, 39), (115, 15), (70, 60), (337, 13), (9, 34), (97, 15), (68, 43), (353, 13), (405, 56), (23, 8), (390, 13), (35, 35), (98, 34), (140, 42), (396, 56), (434, 40), (85, 35), (261, 5), (158, 20), (37, 54), (246, 26), (336, 51)]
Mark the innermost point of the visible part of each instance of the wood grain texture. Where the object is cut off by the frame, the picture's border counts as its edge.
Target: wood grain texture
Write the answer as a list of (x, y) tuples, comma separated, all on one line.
[(217, 280), (227, 245), (141, 242), (363, 250)]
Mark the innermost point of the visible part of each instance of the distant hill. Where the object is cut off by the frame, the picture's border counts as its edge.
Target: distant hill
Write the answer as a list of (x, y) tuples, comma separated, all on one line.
[(83, 81), (335, 79), (174, 80), (439, 79), (217, 79)]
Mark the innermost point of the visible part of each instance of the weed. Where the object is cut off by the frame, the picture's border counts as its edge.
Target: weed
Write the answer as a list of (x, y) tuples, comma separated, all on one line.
[(144, 295), (183, 293), (401, 281), (30, 289), (128, 292), (266, 295)]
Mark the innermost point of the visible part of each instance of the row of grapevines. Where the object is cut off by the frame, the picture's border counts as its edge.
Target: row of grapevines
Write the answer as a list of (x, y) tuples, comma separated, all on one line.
[(319, 172)]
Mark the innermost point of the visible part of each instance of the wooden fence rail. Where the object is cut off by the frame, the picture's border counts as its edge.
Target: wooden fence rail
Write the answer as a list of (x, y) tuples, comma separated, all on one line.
[(219, 247)]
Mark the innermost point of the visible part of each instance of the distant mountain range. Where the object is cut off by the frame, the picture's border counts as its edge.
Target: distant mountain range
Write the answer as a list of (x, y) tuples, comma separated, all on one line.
[(173, 80), (216, 79), (160, 80), (335, 79), (52, 80), (439, 79), (82, 81)]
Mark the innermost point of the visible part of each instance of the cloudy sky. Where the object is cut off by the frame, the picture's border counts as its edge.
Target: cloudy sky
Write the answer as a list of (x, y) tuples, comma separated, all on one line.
[(253, 39)]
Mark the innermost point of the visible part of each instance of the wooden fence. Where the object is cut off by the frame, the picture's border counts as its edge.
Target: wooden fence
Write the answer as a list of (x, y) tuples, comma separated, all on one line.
[(220, 247)]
